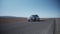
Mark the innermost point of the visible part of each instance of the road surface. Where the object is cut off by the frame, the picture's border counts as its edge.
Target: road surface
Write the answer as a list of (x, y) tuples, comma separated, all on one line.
[(42, 27)]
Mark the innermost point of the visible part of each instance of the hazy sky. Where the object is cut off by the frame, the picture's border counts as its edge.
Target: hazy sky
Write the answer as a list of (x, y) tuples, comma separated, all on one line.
[(25, 8)]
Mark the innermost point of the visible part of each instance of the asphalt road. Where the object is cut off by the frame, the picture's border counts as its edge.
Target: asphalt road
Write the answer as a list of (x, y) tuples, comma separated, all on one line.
[(42, 27)]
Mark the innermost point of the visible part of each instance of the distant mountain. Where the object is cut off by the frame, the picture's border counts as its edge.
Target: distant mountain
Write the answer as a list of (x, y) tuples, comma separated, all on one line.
[(10, 17)]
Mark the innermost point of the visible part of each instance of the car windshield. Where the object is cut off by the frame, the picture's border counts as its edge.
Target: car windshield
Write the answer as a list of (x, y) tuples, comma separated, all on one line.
[(34, 16)]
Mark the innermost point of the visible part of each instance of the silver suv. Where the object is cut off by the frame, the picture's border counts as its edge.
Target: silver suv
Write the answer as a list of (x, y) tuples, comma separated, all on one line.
[(34, 18)]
